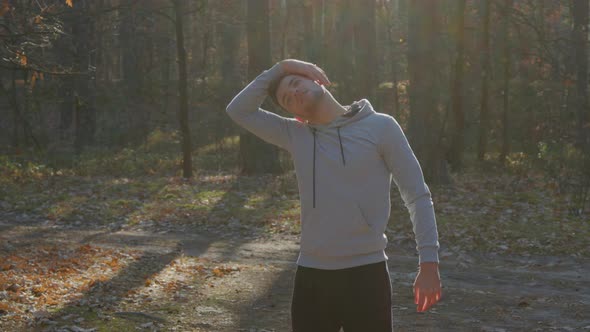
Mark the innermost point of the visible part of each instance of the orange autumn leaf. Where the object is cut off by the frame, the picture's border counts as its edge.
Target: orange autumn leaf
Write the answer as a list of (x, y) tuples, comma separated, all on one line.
[(114, 262), (5, 307), (218, 272), (4, 8), (33, 79), (171, 286), (51, 301), (22, 58), (85, 248), (223, 270), (38, 290), (69, 3)]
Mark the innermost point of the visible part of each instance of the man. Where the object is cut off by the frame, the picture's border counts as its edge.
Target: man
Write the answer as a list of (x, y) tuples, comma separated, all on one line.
[(344, 158)]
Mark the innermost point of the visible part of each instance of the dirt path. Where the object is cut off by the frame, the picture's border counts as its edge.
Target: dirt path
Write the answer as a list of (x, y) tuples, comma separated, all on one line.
[(211, 280)]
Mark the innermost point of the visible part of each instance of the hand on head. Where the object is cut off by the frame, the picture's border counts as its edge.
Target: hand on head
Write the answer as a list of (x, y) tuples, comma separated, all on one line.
[(308, 69)]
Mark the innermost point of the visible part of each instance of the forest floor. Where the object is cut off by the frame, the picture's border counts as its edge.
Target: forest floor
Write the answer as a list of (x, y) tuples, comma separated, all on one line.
[(217, 253)]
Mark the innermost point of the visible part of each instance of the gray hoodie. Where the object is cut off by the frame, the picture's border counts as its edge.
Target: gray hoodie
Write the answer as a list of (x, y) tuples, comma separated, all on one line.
[(344, 171)]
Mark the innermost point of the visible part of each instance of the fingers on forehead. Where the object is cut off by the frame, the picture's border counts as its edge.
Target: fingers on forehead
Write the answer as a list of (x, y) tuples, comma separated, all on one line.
[(286, 79)]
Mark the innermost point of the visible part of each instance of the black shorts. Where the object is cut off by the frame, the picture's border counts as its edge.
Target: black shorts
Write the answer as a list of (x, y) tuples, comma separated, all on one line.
[(358, 299)]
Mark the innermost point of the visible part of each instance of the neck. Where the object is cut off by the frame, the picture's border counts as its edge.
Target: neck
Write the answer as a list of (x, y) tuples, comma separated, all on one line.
[(328, 109)]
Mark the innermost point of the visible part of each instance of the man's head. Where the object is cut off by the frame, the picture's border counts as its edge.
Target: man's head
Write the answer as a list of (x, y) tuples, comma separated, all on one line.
[(297, 94)]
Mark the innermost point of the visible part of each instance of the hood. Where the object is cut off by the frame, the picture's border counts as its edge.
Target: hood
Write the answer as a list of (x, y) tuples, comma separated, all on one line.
[(356, 111)]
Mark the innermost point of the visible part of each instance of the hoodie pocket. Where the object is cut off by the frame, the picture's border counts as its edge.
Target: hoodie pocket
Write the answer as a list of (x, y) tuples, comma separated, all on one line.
[(337, 229)]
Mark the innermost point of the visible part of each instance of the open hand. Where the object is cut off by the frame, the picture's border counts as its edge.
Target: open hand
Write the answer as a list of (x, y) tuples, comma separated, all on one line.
[(427, 287), (308, 69)]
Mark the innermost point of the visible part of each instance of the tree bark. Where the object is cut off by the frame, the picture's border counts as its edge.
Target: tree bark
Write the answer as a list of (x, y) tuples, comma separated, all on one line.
[(365, 39), (84, 108), (424, 90), (580, 12), (187, 168), (485, 73), (257, 156), (506, 89), (457, 145)]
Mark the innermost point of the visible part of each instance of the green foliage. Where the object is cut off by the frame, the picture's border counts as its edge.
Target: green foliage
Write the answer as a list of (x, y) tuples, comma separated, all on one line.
[(386, 85), (125, 162), (12, 168), (160, 154), (550, 158), (518, 162), (568, 167), (161, 141)]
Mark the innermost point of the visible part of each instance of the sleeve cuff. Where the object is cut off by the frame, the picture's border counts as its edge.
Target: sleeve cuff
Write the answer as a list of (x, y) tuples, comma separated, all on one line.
[(428, 254)]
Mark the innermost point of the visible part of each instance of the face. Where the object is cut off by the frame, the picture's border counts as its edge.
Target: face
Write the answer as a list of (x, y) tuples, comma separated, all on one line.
[(299, 95)]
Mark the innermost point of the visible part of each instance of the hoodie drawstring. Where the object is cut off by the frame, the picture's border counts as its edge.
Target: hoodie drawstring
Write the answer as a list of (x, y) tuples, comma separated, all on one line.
[(353, 110), (341, 149), (314, 152)]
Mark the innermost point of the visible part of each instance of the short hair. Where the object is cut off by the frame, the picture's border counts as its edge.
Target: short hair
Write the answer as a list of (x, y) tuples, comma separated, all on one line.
[(273, 87)]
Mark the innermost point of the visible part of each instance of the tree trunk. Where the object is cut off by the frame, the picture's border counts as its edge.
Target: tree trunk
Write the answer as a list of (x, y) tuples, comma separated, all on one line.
[(257, 156), (365, 39), (485, 73), (506, 90), (187, 168), (230, 60), (16, 112), (288, 12), (314, 30), (423, 69), (84, 109), (580, 12), (134, 37), (345, 54), (457, 145), (308, 31), (393, 16)]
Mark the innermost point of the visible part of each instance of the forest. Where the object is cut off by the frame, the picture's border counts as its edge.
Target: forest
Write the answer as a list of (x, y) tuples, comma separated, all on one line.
[(130, 199)]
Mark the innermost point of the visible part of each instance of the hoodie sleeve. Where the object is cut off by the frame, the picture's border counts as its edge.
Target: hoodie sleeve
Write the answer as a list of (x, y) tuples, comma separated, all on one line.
[(407, 175), (245, 110)]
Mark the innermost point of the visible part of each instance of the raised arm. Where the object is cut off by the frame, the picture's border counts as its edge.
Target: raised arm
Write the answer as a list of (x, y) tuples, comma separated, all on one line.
[(245, 110), (408, 176)]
